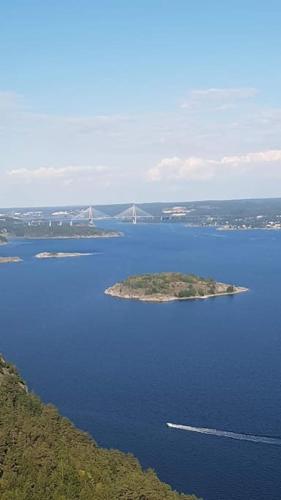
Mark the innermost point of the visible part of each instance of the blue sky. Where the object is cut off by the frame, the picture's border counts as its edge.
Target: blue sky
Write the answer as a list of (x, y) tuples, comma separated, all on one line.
[(116, 101)]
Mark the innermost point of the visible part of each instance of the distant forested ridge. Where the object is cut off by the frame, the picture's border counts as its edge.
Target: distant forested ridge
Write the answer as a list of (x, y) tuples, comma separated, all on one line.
[(61, 231), (44, 457)]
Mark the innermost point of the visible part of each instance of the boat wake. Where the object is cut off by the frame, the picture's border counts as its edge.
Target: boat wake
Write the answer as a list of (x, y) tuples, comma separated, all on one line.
[(226, 434)]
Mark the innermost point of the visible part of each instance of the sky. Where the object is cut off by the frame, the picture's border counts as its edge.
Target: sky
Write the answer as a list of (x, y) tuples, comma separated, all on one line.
[(120, 101)]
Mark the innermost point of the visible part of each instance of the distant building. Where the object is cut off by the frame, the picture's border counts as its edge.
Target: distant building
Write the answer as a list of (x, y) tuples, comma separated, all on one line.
[(176, 212)]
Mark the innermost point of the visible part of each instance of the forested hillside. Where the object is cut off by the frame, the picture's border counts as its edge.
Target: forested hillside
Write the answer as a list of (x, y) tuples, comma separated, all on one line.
[(43, 456)]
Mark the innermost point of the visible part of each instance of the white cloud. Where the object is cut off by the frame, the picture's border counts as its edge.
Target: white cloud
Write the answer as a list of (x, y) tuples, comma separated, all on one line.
[(273, 155), (194, 168), (49, 158), (241, 93), (67, 172), (178, 168), (220, 98), (10, 101)]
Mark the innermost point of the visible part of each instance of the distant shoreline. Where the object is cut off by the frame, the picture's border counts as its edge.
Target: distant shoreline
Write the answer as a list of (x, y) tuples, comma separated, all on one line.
[(246, 228), (113, 235)]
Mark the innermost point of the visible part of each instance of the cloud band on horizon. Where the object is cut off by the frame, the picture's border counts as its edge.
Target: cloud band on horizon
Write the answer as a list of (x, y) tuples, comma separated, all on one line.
[(201, 169)]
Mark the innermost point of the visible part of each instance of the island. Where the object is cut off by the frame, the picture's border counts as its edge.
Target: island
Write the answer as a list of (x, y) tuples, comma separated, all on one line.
[(9, 260), (65, 231), (43, 455), (60, 255), (165, 287)]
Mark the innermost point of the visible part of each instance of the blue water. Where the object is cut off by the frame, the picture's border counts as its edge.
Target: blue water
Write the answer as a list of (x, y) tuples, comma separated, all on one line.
[(122, 369)]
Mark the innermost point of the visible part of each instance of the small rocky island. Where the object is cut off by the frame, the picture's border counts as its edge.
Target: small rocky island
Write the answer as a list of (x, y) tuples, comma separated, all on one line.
[(164, 287), (60, 255), (9, 260)]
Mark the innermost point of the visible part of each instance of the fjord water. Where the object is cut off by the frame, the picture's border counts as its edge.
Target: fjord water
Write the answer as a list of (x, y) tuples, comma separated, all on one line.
[(122, 369)]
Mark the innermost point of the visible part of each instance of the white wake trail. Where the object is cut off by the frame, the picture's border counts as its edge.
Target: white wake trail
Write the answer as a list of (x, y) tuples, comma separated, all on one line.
[(226, 434)]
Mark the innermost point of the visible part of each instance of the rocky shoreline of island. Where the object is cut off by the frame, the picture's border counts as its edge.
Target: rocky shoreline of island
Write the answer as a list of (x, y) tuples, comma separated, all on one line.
[(61, 255), (167, 287), (9, 260), (164, 298)]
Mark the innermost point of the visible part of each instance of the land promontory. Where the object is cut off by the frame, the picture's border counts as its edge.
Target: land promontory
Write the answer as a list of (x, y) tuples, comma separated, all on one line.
[(45, 231), (164, 287), (43, 456)]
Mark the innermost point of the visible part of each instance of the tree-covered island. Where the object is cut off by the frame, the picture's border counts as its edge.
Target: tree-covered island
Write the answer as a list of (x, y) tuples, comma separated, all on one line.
[(64, 231), (15, 227), (164, 287)]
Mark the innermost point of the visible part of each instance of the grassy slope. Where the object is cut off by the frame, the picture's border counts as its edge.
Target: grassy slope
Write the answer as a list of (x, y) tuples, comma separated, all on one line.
[(43, 456)]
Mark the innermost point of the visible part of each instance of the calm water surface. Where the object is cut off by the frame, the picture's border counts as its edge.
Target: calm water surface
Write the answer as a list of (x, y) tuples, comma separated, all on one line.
[(122, 369)]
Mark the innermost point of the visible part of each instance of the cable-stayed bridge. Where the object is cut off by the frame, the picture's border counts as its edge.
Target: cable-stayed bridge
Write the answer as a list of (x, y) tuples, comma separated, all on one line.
[(134, 214), (90, 214), (71, 216), (87, 215)]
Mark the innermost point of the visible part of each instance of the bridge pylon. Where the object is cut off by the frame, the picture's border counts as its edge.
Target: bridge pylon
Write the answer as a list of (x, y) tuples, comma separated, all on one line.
[(134, 214)]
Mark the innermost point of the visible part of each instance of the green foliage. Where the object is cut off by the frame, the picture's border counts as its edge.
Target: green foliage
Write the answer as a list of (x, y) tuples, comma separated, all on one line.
[(189, 278), (230, 289), (187, 292), (170, 284), (158, 282), (43, 230), (43, 456)]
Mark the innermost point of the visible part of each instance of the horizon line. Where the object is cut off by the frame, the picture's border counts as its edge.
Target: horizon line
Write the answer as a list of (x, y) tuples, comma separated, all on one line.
[(142, 203)]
